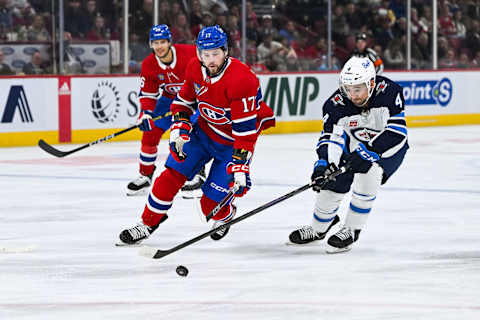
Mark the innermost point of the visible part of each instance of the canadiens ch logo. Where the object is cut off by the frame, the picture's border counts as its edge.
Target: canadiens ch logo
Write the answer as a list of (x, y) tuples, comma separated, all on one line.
[(172, 88), (213, 114)]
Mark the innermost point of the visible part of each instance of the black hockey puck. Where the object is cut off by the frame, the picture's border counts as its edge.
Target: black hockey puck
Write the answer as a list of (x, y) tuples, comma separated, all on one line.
[(182, 271)]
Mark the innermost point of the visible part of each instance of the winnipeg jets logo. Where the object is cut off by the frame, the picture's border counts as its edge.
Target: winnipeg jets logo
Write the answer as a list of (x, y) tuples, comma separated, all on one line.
[(213, 114), (364, 134), (338, 99), (172, 88), (381, 87)]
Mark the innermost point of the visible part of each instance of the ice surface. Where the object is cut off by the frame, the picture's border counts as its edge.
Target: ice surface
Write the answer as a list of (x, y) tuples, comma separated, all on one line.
[(417, 258)]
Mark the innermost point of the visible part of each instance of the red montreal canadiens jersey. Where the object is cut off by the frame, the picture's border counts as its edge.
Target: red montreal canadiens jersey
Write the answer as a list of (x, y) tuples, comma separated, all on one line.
[(169, 78), (230, 104)]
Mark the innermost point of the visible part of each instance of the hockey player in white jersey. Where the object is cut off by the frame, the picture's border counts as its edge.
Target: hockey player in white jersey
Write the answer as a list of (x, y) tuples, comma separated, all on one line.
[(364, 129)]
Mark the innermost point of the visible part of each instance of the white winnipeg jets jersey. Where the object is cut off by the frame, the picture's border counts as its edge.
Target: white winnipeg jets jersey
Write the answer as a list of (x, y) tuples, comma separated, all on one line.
[(380, 125)]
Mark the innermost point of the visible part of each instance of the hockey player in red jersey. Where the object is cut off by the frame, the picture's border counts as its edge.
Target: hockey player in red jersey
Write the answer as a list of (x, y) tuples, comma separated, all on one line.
[(162, 76), (227, 97)]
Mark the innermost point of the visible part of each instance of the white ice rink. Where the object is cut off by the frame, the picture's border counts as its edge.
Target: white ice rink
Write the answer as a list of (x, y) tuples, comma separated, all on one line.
[(417, 258)]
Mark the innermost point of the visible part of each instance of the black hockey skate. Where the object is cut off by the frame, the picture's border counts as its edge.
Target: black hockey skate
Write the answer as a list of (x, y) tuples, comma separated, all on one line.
[(307, 234), (139, 186), (342, 240), (221, 233), (135, 235), (191, 188)]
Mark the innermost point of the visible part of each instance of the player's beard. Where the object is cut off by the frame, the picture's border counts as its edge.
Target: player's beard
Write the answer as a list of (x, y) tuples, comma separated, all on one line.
[(213, 69)]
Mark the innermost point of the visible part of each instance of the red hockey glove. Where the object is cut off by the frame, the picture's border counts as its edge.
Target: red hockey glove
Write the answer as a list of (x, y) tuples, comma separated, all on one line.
[(239, 171), (179, 135)]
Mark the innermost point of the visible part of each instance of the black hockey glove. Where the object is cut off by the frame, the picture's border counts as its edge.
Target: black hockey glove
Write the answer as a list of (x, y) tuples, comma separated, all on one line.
[(361, 159), (321, 169)]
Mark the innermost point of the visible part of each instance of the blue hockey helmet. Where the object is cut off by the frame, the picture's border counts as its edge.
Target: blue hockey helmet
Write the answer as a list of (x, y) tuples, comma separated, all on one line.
[(160, 31), (211, 38)]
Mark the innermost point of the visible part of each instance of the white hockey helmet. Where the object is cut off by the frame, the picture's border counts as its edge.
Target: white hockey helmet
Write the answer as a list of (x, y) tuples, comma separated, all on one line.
[(358, 70)]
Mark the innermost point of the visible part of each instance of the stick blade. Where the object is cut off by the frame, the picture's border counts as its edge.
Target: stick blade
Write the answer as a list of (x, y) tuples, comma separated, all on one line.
[(153, 253), (51, 150)]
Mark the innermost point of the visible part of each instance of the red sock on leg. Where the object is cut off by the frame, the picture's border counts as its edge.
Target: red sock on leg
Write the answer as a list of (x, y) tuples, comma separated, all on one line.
[(165, 187), (208, 204)]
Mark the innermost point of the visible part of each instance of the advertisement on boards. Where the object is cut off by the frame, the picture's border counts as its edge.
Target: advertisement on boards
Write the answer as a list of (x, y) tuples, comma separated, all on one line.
[(104, 102), (28, 104)]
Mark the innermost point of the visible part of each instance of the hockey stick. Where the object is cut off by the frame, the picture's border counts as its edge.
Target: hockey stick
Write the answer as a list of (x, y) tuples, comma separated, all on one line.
[(60, 154), (222, 203), (157, 253)]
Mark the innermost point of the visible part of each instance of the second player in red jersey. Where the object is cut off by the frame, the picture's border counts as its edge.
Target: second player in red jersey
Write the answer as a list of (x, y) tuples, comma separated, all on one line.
[(162, 76)]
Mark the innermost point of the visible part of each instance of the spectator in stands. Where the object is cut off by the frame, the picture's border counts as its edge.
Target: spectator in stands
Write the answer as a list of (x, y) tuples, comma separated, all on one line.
[(91, 13), (353, 18), (267, 28), (195, 14), (445, 21), (175, 11), (37, 31), (476, 60), (6, 19), (222, 20), (382, 31), (4, 68), (252, 62), (139, 50), (207, 20), (36, 65), (385, 10), (268, 52), (181, 30), (235, 36), (399, 7), (142, 20), (417, 27), (460, 29), (289, 32), (251, 15), (400, 28), (252, 31), (449, 60), (426, 21), (99, 32), (464, 62), (394, 57), (472, 40), (22, 13), (421, 52), (442, 47), (75, 20), (340, 26)]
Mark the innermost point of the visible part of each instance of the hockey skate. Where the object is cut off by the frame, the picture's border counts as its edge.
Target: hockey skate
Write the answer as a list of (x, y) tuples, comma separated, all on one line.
[(139, 186), (191, 189), (221, 233), (135, 235), (307, 234), (342, 240)]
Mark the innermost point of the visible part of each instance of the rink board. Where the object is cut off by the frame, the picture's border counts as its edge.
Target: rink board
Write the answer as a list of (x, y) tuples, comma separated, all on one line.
[(80, 109)]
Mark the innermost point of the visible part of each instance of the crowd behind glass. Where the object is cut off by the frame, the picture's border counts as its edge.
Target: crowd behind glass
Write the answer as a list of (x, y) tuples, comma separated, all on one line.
[(289, 36)]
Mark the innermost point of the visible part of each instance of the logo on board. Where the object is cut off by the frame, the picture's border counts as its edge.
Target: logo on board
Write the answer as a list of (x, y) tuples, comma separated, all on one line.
[(17, 104), (105, 102)]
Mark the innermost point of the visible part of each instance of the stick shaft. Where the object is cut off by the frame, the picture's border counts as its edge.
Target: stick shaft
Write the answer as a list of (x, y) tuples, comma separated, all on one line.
[(60, 154)]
